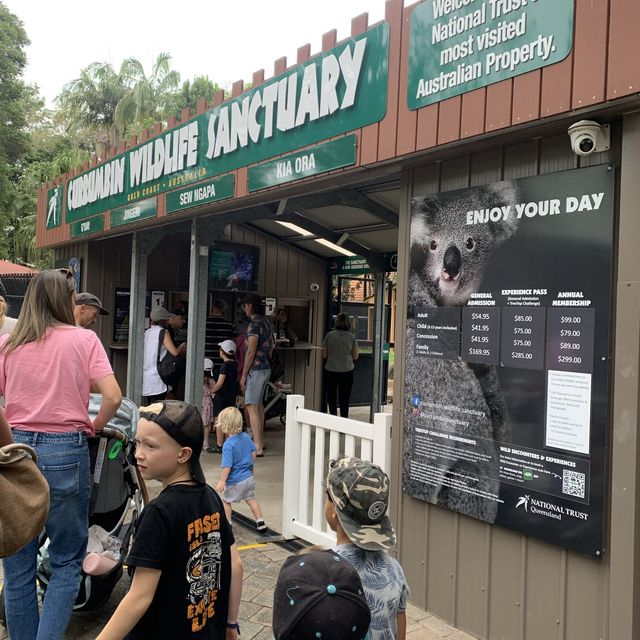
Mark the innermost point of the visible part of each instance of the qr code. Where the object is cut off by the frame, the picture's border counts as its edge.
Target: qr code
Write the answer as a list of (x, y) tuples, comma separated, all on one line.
[(573, 483)]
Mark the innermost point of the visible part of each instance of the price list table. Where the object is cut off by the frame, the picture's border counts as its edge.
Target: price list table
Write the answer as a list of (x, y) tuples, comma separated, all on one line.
[(480, 335), (570, 336), (522, 337)]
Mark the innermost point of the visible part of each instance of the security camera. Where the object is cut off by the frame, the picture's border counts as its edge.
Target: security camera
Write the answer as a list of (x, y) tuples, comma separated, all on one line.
[(588, 136), (314, 286)]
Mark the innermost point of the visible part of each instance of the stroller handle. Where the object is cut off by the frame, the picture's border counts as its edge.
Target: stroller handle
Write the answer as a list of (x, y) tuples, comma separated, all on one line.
[(110, 432)]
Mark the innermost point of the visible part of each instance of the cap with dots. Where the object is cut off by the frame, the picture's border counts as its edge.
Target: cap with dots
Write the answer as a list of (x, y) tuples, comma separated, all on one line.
[(319, 596)]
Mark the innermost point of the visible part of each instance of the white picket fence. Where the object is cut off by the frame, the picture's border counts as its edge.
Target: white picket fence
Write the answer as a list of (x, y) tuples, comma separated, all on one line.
[(306, 459)]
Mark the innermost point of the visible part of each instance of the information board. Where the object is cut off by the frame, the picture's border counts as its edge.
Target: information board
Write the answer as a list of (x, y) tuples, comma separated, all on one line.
[(507, 377)]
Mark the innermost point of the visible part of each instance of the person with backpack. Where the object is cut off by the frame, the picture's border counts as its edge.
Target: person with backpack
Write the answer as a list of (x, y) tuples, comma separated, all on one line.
[(256, 368), (154, 388)]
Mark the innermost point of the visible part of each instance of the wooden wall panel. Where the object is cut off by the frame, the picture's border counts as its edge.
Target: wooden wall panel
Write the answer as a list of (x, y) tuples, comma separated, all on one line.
[(442, 562), (555, 94), (544, 589), (389, 125), (498, 109), (585, 592), (473, 111), (623, 70), (590, 52), (526, 97), (413, 540), (407, 120), (449, 120), (472, 579), (506, 585)]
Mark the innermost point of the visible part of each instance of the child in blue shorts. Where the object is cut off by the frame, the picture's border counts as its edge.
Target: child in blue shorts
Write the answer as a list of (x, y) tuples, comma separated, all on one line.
[(238, 455)]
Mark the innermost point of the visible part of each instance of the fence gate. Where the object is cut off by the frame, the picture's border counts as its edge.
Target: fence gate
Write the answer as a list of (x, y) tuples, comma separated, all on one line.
[(312, 439)]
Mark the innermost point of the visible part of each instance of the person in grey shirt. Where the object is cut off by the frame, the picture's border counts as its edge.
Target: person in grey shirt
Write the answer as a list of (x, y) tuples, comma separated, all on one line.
[(340, 351)]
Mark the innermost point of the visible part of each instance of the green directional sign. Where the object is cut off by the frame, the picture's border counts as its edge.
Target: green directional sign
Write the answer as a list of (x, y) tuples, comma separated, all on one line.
[(54, 207), (324, 157), (456, 46), (134, 212), (88, 226), (201, 193)]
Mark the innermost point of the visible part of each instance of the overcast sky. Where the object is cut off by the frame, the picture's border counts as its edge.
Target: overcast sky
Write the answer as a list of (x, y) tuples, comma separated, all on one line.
[(225, 40)]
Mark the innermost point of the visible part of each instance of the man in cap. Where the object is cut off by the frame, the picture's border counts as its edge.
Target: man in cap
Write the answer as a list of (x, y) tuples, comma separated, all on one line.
[(356, 509), (87, 309), (256, 369)]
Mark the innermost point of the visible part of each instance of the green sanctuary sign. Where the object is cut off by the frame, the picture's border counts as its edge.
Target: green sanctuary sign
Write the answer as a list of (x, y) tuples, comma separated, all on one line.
[(201, 193), (324, 157), (86, 227), (340, 90), (134, 212), (456, 46)]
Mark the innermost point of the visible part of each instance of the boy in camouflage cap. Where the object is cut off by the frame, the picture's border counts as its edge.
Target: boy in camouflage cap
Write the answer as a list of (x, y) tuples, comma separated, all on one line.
[(356, 509)]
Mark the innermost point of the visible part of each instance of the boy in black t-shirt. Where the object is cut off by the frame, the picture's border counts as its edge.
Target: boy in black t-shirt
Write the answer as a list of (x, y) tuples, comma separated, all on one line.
[(225, 388), (187, 578)]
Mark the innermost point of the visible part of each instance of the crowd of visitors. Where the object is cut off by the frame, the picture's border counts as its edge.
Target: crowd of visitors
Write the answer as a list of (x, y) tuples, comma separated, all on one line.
[(184, 549)]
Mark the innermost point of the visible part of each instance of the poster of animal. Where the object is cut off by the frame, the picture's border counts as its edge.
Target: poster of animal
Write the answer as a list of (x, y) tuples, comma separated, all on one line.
[(508, 353)]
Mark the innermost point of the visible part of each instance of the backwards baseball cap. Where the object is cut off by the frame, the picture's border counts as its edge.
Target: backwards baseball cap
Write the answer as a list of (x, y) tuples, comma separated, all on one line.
[(360, 492), (228, 346), (183, 423), (92, 301), (319, 595), (159, 313)]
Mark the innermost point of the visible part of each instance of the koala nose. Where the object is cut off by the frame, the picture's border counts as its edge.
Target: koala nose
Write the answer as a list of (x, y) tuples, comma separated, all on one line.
[(452, 261)]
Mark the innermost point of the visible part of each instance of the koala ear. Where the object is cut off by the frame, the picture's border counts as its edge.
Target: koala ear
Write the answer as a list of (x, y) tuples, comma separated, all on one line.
[(501, 194)]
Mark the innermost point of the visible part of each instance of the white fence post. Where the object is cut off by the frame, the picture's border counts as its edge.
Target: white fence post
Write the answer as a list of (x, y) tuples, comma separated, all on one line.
[(382, 441), (292, 443)]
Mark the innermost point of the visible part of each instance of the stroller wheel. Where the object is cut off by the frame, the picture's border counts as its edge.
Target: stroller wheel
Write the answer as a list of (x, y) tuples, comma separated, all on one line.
[(283, 418)]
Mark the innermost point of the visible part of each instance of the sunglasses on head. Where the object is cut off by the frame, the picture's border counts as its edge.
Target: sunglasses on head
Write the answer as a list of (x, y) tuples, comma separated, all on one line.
[(66, 272)]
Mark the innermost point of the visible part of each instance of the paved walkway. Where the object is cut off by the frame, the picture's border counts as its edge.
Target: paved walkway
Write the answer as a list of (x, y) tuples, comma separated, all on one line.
[(261, 567), (261, 561)]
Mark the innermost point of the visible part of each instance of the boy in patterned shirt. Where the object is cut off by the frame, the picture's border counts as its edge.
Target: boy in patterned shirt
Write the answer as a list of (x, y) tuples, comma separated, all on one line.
[(356, 507)]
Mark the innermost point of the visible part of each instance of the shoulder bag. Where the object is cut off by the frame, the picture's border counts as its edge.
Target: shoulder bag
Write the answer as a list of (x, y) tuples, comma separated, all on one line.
[(25, 498)]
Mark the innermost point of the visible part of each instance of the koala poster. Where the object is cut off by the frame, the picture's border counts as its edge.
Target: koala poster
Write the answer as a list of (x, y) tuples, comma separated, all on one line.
[(507, 353)]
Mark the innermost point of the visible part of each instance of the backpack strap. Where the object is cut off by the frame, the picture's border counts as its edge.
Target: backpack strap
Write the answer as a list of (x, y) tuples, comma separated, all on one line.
[(160, 342)]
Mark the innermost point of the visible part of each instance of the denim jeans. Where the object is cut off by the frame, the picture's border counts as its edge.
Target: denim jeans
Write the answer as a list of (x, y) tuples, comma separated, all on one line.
[(64, 460)]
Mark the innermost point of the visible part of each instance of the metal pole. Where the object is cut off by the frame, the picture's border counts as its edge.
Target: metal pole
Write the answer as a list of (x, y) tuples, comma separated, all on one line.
[(142, 243), (378, 343)]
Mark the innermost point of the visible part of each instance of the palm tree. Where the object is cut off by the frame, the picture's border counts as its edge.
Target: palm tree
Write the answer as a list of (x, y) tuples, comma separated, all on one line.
[(90, 103), (149, 96)]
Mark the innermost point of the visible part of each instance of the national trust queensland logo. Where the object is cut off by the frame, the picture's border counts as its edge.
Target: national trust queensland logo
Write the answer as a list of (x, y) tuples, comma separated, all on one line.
[(548, 509)]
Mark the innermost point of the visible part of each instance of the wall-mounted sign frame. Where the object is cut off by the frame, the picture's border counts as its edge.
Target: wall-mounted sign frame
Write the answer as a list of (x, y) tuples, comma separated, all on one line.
[(506, 397)]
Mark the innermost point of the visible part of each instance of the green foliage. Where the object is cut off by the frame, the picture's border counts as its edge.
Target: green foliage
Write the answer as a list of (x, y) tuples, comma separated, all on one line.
[(99, 109)]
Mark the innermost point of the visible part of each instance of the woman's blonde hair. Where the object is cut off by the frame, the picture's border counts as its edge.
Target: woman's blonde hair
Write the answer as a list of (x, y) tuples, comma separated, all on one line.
[(47, 302), (230, 420)]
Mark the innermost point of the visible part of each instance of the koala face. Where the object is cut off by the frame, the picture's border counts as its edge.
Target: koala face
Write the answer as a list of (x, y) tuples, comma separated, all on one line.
[(447, 255)]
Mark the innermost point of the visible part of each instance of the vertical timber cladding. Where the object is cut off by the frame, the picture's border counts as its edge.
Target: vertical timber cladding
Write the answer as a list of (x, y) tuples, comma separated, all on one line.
[(337, 91), (507, 355), (456, 46)]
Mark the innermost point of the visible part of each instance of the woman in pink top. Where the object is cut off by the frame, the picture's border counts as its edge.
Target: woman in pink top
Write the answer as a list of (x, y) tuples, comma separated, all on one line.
[(47, 367)]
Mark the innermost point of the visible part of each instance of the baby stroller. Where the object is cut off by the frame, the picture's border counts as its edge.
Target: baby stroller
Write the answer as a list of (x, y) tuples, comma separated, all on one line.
[(276, 391), (117, 499)]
